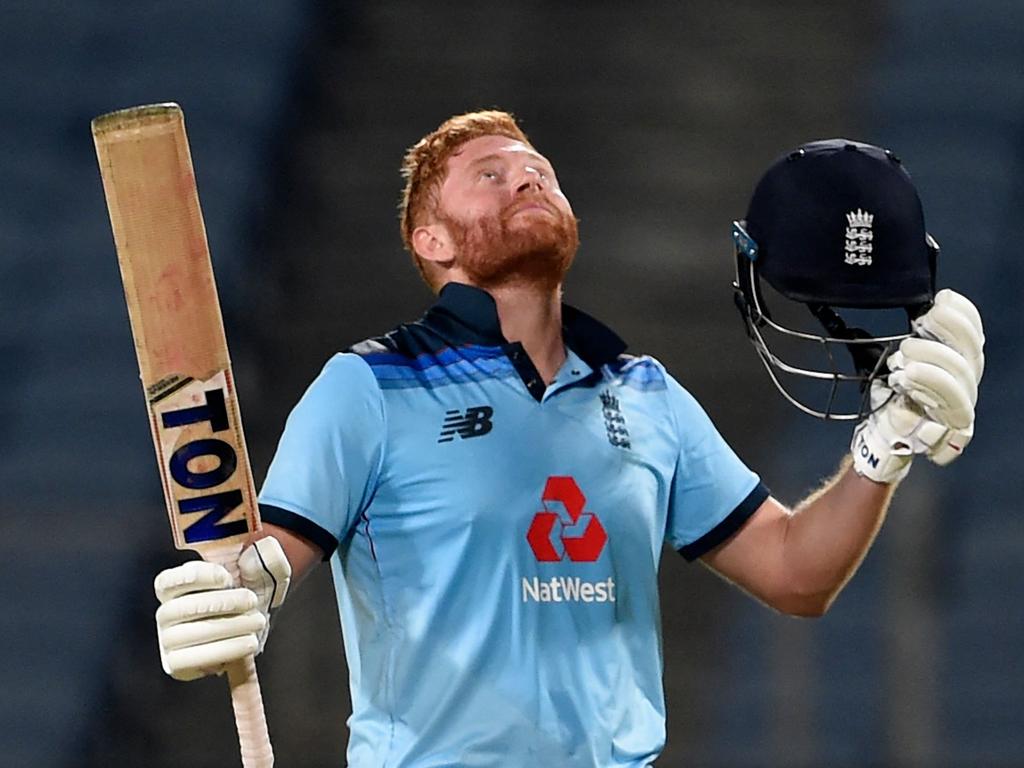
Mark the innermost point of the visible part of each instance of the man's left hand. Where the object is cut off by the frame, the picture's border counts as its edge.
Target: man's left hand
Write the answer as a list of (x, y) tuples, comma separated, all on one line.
[(940, 366), (927, 403)]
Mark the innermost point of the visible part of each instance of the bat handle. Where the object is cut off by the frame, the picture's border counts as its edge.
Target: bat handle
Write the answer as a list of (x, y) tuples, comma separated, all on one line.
[(246, 699), (250, 721)]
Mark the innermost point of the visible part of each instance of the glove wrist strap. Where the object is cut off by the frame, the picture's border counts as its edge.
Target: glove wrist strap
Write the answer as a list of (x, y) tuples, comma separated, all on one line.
[(876, 458)]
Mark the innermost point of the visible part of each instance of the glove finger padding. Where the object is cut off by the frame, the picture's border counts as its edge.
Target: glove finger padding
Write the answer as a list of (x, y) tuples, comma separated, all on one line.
[(193, 576), (954, 321), (209, 658), (944, 398), (203, 605), (211, 630), (938, 354), (200, 632)]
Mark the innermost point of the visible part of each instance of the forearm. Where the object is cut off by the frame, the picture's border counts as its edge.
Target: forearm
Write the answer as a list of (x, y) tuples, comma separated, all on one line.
[(825, 537)]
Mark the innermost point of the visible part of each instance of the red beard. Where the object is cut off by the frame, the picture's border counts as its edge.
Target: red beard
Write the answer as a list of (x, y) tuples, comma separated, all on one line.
[(497, 251)]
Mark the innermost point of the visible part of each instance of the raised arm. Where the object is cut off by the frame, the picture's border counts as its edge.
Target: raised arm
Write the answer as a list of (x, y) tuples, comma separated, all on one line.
[(797, 561)]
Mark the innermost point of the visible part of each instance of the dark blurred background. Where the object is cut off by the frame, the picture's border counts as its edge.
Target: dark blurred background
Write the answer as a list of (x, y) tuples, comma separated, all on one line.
[(659, 116)]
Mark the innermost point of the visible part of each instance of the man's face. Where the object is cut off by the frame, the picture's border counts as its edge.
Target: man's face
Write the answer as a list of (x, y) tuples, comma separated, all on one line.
[(508, 219)]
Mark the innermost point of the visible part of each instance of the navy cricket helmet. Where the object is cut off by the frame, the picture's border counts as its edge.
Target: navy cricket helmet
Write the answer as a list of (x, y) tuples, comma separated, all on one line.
[(834, 224)]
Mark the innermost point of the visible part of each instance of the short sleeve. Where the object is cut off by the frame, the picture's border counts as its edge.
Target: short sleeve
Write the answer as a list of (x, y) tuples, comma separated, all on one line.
[(713, 492), (328, 458)]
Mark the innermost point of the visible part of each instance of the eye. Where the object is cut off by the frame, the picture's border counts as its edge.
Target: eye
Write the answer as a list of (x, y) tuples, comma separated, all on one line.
[(543, 173), (490, 175)]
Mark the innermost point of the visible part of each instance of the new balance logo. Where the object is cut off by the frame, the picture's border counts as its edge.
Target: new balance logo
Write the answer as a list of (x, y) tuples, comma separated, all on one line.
[(475, 422)]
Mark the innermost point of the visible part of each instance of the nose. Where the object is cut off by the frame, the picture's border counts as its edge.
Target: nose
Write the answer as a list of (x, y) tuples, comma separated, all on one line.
[(530, 179)]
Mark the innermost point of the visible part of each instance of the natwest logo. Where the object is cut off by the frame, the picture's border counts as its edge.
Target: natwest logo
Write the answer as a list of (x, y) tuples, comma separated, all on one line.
[(564, 529)]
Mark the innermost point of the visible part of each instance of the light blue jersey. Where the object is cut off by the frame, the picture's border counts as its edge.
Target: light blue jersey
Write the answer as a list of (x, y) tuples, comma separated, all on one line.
[(495, 541)]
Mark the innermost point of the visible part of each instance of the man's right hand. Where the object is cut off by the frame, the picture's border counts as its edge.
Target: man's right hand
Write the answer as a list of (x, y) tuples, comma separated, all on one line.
[(205, 621)]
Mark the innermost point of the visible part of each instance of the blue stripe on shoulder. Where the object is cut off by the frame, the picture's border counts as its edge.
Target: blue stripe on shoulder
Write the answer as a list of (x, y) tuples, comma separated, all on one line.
[(451, 365), (639, 373)]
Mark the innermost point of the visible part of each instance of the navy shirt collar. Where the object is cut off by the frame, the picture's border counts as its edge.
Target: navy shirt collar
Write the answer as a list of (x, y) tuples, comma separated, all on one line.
[(467, 315)]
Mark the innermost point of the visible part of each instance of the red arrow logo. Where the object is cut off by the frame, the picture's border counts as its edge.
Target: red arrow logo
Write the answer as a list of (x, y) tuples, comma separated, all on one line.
[(564, 528)]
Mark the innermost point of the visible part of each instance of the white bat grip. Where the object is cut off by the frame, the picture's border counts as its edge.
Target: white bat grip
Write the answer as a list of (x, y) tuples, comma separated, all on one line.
[(250, 721), (246, 699)]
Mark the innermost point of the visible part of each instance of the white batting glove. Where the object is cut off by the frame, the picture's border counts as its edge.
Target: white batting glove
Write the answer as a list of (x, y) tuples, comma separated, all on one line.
[(205, 621), (927, 403)]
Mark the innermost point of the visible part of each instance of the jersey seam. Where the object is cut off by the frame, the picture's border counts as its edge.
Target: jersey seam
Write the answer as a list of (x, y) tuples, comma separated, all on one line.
[(389, 667), (666, 397), (695, 452)]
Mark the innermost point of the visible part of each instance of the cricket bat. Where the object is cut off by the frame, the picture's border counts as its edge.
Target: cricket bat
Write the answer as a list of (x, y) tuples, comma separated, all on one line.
[(176, 321)]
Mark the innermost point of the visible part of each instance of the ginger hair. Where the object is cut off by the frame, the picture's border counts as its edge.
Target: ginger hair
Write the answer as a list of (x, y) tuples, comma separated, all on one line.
[(424, 169)]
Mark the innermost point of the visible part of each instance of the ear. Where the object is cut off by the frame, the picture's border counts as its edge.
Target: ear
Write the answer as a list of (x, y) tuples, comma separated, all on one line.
[(433, 243)]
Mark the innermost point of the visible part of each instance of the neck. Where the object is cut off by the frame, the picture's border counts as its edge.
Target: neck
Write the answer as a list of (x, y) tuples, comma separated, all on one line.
[(532, 315)]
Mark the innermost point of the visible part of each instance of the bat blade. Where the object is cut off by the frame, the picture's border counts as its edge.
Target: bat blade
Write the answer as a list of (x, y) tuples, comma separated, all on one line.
[(176, 322), (149, 184)]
